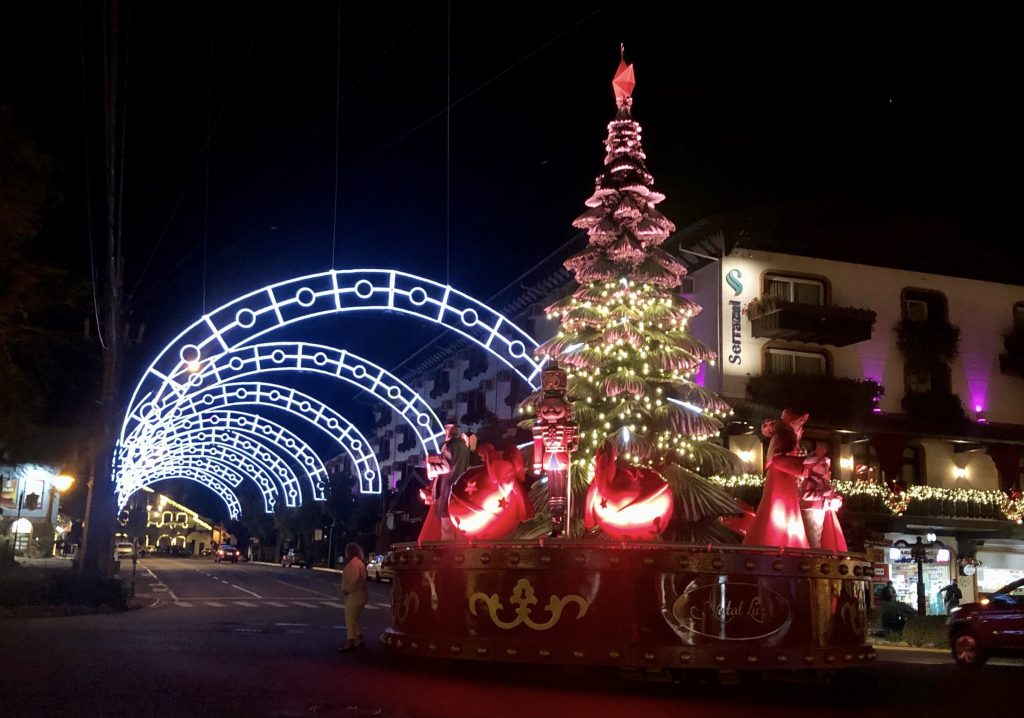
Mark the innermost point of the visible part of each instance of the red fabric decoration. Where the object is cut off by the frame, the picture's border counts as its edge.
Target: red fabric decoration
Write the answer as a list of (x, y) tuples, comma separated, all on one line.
[(488, 501), (740, 524), (627, 502)]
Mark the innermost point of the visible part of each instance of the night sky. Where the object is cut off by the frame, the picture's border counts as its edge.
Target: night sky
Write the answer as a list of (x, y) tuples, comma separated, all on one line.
[(909, 114)]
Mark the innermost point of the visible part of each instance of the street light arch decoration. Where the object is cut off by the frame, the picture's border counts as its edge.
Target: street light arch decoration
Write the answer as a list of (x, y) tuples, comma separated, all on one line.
[(250, 433), (241, 322), (247, 318), (205, 477), (227, 394), (220, 459), (332, 362)]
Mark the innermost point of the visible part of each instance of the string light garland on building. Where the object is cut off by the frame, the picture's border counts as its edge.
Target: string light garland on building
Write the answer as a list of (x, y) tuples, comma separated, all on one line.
[(897, 503)]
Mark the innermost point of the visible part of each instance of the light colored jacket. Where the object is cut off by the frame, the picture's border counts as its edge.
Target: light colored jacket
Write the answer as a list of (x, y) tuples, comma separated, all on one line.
[(353, 576)]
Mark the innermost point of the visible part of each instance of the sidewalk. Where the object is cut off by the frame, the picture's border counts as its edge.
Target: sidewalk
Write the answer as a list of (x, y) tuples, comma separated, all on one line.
[(64, 562)]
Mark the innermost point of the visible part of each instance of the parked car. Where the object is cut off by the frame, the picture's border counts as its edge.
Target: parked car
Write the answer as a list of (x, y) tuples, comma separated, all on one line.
[(295, 559), (994, 625), (172, 551), (380, 569), (123, 549), (226, 553)]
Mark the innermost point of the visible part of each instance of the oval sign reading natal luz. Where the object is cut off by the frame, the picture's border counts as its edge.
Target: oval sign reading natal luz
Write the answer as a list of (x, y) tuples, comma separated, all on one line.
[(732, 611)]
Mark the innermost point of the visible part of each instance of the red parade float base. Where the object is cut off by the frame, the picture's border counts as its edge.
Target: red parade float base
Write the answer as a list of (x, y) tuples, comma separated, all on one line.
[(653, 605)]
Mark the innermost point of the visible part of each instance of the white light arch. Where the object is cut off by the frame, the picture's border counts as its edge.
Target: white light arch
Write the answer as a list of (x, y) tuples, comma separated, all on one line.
[(296, 403), (269, 439), (220, 459), (249, 317), (331, 362), (246, 451), (206, 478), (242, 321)]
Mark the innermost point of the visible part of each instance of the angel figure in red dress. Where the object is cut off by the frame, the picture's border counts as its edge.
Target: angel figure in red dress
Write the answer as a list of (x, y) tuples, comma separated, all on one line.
[(778, 520), (820, 502)]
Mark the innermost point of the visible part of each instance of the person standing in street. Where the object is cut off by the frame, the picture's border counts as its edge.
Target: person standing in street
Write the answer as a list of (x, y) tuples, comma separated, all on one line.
[(888, 592), (354, 593)]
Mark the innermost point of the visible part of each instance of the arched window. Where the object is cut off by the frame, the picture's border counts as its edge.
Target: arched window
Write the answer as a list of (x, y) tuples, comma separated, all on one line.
[(866, 466), (168, 517)]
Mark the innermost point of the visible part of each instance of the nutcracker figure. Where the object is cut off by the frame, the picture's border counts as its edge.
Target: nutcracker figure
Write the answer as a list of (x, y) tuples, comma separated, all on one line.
[(555, 437)]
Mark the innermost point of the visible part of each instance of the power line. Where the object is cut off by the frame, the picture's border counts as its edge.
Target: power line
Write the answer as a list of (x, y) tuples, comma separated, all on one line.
[(337, 140), (448, 161), (202, 152), (209, 115), (88, 183)]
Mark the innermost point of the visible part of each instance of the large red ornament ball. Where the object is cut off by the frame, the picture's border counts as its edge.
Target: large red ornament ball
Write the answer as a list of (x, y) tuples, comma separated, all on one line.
[(488, 501), (629, 503)]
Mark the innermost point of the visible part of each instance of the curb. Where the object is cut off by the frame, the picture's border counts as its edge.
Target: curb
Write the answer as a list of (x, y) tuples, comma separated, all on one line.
[(890, 647)]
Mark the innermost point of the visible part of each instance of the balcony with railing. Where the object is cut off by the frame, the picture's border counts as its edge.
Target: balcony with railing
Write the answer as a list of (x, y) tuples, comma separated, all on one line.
[(775, 318)]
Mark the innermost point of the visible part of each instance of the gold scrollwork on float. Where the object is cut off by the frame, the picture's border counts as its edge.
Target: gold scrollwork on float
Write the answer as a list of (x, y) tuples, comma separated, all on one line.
[(852, 617), (523, 597), (406, 606)]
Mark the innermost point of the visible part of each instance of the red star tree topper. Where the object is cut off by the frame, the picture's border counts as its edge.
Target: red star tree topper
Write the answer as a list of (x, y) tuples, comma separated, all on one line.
[(623, 339)]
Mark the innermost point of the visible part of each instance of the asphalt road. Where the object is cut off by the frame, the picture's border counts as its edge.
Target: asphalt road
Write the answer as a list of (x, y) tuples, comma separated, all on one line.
[(230, 640)]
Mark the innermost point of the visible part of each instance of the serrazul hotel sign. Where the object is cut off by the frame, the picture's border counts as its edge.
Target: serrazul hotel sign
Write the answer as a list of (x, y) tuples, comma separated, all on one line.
[(741, 353)]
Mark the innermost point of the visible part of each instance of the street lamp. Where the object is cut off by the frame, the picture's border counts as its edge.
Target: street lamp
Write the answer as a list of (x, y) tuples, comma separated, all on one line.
[(63, 482)]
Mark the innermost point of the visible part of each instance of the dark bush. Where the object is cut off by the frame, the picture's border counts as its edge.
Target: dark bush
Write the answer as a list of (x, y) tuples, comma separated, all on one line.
[(928, 341), (63, 588), (927, 631), (935, 406)]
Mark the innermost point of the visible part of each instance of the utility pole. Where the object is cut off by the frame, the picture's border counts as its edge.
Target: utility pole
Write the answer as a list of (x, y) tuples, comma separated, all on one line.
[(97, 551)]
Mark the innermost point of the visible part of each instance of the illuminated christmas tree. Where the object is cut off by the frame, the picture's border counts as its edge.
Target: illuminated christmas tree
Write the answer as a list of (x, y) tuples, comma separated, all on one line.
[(630, 360)]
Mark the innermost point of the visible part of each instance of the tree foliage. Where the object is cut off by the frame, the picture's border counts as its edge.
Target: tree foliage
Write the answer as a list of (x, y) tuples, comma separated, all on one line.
[(39, 323)]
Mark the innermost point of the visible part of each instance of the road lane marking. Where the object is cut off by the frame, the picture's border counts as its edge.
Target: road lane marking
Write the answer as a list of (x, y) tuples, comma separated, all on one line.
[(247, 604), (292, 585), (303, 605), (159, 588), (291, 624), (372, 607), (275, 604), (183, 604), (251, 593), (214, 604), (159, 583), (332, 604)]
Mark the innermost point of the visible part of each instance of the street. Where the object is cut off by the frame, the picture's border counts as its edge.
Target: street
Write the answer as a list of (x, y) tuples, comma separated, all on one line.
[(260, 640)]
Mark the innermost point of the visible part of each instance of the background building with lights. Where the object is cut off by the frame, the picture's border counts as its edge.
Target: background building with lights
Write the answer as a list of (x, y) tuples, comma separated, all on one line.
[(30, 501), (170, 523)]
